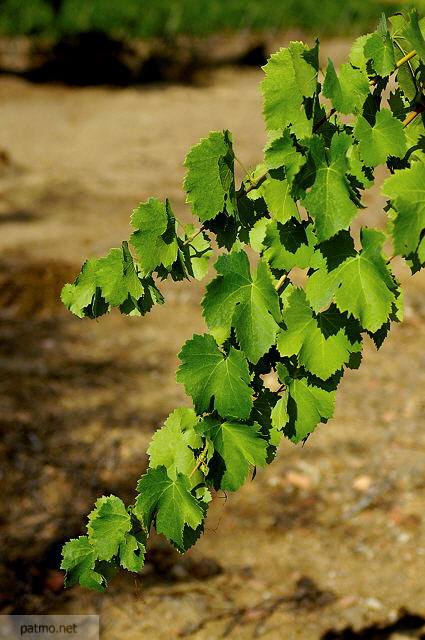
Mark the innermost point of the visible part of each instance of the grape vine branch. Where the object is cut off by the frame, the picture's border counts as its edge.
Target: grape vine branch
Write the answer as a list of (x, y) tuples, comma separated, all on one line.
[(296, 209)]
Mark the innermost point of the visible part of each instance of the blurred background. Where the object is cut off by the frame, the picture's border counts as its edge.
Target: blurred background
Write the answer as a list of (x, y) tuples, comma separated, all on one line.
[(99, 103), (98, 41)]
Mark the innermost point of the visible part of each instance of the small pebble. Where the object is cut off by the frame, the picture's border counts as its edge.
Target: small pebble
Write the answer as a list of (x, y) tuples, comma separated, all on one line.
[(362, 483), (347, 601), (373, 604), (299, 480)]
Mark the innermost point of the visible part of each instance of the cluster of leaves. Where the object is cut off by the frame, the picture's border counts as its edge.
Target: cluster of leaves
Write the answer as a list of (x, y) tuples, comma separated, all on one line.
[(295, 210)]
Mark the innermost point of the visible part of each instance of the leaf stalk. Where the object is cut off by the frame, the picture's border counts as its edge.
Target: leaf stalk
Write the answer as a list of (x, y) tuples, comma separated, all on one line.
[(200, 461)]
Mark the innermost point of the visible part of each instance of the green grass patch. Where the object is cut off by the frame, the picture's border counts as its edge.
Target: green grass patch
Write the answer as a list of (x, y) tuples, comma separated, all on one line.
[(168, 18)]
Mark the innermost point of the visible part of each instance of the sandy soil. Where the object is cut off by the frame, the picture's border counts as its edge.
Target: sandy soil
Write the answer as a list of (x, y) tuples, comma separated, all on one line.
[(330, 536)]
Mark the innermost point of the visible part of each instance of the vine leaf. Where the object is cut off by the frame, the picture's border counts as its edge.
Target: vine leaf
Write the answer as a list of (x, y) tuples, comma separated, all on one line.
[(110, 281), (413, 33), (421, 251), (132, 549), (379, 49), (385, 138), (322, 284), (407, 77), (278, 198), (362, 175), (196, 254), (155, 238), (79, 561), (349, 90), (308, 405), (361, 284), (170, 503), (117, 277), (251, 305), (321, 344), (279, 419), (407, 190), (239, 445), (174, 444), (329, 200), (257, 234), (109, 522), (207, 373), (291, 76), (357, 56), (112, 537), (416, 259), (78, 297), (210, 182), (282, 152), (290, 245)]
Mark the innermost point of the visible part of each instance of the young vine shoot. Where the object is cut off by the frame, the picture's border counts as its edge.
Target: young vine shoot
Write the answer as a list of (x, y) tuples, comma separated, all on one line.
[(295, 210)]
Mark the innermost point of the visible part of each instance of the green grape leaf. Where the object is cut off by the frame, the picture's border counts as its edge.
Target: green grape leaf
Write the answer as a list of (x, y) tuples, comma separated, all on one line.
[(291, 76), (108, 523), (250, 304), (155, 237), (379, 49), (193, 257), (263, 403), (406, 188), (174, 444), (207, 373), (329, 199), (279, 417), (258, 233), (169, 502), (110, 281), (239, 445), (283, 373), (363, 176), (399, 105), (385, 138), (191, 536), (361, 285), (416, 260), (320, 343), (210, 182), (406, 32), (197, 253), (226, 230), (117, 277), (349, 90), (322, 284), (414, 35), (357, 56), (79, 561), (281, 152), (140, 307), (278, 198), (416, 139), (132, 549), (367, 289), (421, 251), (408, 81), (308, 405), (290, 245), (78, 297)]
